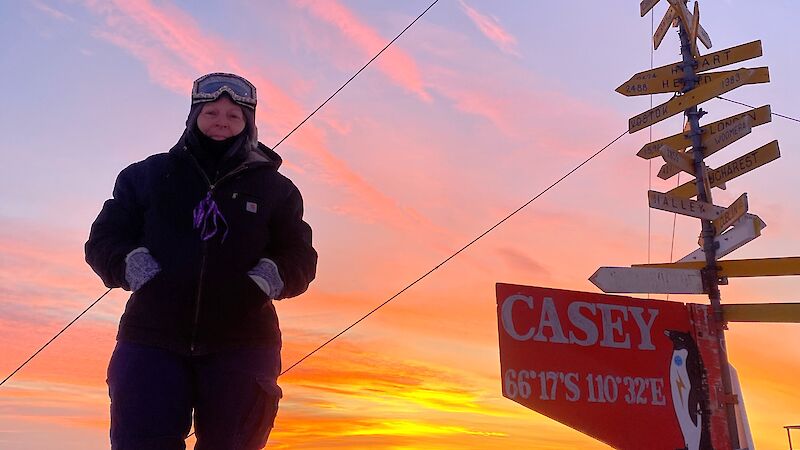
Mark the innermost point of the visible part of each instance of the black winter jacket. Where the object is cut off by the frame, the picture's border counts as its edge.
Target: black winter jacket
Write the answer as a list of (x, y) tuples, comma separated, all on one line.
[(203, 300)]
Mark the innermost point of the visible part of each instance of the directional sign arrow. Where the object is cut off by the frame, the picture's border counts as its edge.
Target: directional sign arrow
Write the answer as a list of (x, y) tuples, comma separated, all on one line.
[(745, 230), (663, 26), (685, 206), (715, 131), (765, 267), (732, 213), (715, 141), (676, 83), (648, 280), (646, 5), (704, 63), (762, 312), (695, 30), (712, 143), (680, 160), (692, 98), (686, 17), (731, 170)]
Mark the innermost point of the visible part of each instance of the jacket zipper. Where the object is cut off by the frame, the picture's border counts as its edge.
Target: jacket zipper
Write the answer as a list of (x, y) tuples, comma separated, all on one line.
[(196, 321)]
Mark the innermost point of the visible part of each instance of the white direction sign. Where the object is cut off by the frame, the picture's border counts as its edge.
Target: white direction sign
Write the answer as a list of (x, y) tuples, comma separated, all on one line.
[(685, 206), (745, 230), (630, 280)]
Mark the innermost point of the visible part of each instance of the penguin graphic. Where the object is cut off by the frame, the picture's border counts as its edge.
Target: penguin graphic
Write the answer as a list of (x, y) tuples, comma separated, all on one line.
[(687, 379)]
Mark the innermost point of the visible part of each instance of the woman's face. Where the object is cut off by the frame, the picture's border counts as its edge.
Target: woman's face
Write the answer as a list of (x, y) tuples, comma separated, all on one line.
[(221, 119)]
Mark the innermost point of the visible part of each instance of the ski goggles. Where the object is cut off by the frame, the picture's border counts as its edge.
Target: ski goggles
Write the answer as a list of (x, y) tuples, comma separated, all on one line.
[(209, 87)]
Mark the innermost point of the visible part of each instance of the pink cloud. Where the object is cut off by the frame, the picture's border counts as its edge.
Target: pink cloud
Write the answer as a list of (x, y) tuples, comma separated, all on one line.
[(175, 49), (395, 63), (492, 30)]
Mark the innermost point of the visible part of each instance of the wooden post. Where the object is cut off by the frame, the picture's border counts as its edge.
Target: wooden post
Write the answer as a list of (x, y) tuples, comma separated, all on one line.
[(710, 272)]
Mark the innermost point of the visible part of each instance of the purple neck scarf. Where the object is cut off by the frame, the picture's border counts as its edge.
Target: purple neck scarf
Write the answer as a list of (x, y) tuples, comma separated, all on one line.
[(206, 214)]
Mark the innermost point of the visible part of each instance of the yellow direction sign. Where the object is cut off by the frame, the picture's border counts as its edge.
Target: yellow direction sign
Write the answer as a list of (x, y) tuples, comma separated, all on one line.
[(711, 144), (680, 160), (766, 267), (714, 142), (731, 170), (646, 5), (704, 63), (694, 30), (694, 97), (730, 215), (686, 17), (710, 133), (668, 170), (663, 27), (762, 312), (675, 84)]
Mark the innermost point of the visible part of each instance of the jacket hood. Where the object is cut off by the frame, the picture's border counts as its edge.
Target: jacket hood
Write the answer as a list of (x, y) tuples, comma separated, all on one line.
[(262, 153), (245, 151)]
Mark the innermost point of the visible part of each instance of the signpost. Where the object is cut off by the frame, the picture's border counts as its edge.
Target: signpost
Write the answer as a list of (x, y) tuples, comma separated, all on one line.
[(638, 373), (694, 86)]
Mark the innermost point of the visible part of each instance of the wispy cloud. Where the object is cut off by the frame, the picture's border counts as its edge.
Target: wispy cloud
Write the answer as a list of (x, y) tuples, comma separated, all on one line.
[(175, 49), (52, 12), (399, 66), (490, 27)]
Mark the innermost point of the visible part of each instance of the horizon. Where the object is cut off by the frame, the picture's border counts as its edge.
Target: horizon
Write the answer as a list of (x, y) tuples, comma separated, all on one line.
[(474, 111)]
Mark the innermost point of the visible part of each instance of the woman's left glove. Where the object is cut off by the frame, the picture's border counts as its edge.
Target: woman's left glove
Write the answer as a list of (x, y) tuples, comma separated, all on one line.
[(265, 274), (140, 267)]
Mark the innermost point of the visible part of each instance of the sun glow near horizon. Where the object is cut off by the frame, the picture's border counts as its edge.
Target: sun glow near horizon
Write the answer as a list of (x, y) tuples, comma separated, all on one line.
[(476, 109)]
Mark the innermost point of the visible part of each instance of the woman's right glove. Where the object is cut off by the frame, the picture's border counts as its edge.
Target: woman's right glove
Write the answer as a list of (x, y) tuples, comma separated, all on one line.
[(140, 267), (265, 274)]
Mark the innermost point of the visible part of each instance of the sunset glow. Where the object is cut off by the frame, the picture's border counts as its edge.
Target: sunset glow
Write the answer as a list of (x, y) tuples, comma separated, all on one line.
[(479, 107)]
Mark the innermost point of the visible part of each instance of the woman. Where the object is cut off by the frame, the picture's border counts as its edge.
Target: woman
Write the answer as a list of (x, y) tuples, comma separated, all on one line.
[(206, 236)]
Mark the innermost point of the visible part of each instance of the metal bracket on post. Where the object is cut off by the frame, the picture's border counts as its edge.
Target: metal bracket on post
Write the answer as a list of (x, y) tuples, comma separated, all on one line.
[(727, 399)]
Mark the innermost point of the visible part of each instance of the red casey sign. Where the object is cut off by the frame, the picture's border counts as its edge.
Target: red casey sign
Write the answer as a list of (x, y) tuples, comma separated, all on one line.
[(630, 372)]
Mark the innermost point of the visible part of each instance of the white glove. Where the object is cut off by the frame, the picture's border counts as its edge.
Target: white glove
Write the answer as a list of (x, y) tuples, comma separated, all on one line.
[(265, 274), (140, 268)]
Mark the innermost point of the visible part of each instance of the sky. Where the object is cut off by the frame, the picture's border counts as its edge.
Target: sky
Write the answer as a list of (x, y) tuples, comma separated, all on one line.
[(479, 107)]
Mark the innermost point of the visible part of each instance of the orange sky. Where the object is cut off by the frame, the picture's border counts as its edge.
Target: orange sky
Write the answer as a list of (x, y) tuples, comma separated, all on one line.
[(479, 107)]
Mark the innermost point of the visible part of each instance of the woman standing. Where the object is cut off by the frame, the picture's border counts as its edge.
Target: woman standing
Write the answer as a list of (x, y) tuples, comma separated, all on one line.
[(206, 236)]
